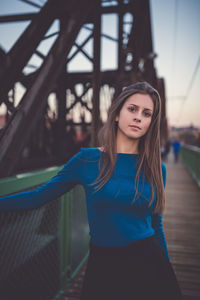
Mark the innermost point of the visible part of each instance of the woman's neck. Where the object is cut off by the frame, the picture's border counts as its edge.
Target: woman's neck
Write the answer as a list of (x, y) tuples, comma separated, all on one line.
[(130, 146), (124, 149)]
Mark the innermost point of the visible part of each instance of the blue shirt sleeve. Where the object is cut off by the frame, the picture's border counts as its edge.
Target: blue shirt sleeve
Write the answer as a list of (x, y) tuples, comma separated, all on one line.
[(159, 233), (64, 181), (157, 221), (164, 173)]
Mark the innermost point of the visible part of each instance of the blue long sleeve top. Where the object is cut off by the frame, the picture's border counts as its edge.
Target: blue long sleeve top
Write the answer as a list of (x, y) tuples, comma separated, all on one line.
[(115, 218)]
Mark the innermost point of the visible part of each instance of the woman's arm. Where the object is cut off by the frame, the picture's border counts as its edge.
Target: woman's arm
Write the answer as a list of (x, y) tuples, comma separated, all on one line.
[(157, 220), (65, 180), (159, 232)]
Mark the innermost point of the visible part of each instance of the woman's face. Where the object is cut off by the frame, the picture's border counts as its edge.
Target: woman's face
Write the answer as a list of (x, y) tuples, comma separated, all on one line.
[(135, 116)]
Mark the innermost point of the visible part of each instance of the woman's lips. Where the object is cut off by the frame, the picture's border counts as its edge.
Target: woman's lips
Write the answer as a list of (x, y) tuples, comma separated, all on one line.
[(134, 127)]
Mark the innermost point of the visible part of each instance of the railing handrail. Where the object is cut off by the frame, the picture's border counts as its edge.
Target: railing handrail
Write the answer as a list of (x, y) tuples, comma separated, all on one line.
[(49, 231), (191, 147), (27, 180), (191, 158)]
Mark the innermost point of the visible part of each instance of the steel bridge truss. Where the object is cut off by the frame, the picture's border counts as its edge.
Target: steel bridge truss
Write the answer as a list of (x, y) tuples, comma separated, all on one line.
[(91, 91)]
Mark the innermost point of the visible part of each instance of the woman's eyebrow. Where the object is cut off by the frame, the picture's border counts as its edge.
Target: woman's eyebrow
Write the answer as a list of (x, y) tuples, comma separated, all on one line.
[(139, 106)]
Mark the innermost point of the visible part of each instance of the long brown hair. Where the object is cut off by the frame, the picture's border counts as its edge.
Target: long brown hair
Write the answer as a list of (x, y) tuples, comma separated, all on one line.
[(149, 144)]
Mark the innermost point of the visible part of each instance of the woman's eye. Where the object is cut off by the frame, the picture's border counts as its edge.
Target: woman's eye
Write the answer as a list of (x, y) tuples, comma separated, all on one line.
[(147, 114), (131, 108)]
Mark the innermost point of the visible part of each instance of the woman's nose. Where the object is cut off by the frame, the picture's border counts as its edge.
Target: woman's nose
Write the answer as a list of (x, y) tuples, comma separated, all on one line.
[(137, 117)]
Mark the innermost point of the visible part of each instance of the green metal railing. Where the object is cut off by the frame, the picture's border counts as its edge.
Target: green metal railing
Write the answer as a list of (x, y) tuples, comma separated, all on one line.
[(191, 158), (41, 249)]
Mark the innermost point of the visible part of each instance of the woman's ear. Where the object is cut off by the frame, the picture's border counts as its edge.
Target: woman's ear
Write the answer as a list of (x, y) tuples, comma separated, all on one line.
[(117, 118)]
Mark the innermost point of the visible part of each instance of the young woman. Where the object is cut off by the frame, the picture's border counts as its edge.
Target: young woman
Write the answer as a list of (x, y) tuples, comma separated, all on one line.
[(124, 184)]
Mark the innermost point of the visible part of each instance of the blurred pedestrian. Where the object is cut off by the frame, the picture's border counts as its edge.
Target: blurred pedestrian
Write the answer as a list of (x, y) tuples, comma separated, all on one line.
[(176, 149)]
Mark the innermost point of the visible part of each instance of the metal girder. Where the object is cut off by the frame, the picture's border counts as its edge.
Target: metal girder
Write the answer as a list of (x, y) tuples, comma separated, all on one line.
[(78, 98), (52, 76), (18, 18), (79, 47), (31, 3), (15, 136), (73, 78), (140, 40), (163, 122), (124, 8), (30, 16), (96, 76), (23, 49)]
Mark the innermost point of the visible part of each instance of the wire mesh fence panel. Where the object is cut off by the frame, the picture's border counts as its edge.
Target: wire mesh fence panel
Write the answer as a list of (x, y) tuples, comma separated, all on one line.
[(41, 249), (79, 228), (29, 253)]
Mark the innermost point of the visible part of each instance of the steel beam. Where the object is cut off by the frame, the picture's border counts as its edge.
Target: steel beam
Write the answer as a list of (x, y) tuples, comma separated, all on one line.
[(18, 17), (61, 109), (96, 76), (121, 70), (51, 77), (140, 40), (17, 134), (30, 16), (25, 46), (163, 122)]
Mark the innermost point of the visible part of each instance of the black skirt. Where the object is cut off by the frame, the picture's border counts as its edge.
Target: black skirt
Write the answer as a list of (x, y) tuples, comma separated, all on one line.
[(139, 271)]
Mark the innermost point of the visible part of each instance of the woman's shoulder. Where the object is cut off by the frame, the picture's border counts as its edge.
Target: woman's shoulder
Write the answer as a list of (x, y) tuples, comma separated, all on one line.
[(90, 153), (84, 155)]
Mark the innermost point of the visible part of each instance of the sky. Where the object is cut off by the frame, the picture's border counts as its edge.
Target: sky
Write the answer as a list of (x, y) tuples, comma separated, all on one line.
[(176, 41)]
